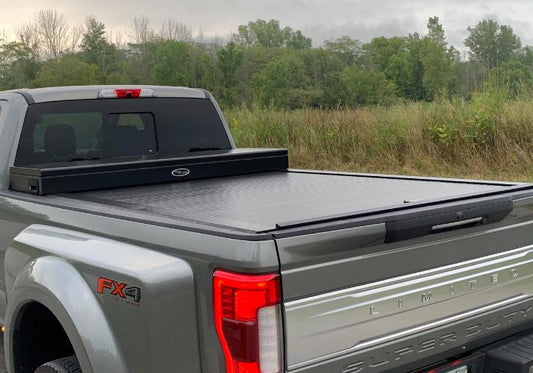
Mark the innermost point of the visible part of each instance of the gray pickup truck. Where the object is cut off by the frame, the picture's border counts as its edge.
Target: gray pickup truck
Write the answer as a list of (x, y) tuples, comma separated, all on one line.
[(135, 238)]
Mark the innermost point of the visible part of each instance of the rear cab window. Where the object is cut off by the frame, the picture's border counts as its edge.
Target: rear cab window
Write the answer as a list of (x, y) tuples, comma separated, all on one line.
[(115, 129)]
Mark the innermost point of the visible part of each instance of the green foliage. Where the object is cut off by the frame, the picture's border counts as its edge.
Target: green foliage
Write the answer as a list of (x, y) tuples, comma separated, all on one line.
[(364, 87), (398, 58), (173, 66), (95, 49), (270, 35), (229, 59), (274, 83), (437, 66), (67, 70), (491, 43), (396, 139), (436, 32), (18, 65), (525, 55), (267, 65), (483, 125), (442, 124), (140, 61), (348, 49), (512, 77)]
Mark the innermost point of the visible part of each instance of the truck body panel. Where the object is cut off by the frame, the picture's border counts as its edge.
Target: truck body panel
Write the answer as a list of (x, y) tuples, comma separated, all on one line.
[(203, 252), (154, 292)]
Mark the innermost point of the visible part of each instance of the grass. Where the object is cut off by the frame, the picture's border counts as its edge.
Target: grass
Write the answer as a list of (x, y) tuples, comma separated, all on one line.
[(487, 138)]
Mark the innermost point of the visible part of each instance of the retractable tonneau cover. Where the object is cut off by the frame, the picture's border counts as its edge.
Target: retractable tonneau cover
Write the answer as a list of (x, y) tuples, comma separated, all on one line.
[(277, 200)]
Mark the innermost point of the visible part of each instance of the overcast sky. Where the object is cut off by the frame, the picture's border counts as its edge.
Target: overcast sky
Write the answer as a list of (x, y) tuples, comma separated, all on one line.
[(319, 19)]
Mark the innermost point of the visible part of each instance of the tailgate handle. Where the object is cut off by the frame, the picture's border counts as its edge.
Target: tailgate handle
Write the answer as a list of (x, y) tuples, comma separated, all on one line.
[(458, 218)]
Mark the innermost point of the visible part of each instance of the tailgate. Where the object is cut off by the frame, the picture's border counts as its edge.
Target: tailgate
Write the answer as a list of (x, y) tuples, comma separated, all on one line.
[(408, 290)]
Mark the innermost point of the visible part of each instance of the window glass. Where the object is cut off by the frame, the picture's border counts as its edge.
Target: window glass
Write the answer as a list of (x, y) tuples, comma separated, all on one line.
[(105, 129), (131, 134), (85, 127)]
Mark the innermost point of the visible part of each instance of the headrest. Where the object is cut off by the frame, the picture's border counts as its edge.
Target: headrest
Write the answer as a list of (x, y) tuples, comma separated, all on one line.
[(60, 141)]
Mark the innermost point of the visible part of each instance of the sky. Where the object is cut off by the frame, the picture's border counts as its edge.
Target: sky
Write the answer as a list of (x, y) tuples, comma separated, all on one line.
[(318, 19)]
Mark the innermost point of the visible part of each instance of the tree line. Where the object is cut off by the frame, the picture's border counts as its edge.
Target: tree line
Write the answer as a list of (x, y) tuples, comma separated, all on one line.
[(265, 64)]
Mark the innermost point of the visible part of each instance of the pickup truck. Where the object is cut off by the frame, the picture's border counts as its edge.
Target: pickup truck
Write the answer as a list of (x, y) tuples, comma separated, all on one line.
[(135, 237)]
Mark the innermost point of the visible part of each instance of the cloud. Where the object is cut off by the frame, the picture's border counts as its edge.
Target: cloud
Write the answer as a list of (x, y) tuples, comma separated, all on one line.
[(320, 19)]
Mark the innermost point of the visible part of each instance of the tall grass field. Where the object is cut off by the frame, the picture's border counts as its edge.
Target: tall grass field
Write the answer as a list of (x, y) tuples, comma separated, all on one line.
[(488, 137)]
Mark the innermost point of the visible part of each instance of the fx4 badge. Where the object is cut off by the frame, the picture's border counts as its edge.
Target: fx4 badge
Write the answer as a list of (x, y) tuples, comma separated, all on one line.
[(120, 290)]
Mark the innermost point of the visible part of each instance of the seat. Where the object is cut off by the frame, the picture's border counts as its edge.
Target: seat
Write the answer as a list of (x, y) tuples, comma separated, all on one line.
[(59, 143)]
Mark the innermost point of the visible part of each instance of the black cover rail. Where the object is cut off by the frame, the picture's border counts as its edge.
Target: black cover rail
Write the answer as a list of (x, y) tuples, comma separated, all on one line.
[(458, 218)]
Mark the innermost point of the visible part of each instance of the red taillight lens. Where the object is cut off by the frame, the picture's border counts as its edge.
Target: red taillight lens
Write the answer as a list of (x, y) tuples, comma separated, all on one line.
[(247, 321), (128, 93)]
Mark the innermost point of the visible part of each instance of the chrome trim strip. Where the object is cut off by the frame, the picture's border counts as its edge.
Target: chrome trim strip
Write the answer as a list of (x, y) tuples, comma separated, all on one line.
[(333, 324), (456, 224)]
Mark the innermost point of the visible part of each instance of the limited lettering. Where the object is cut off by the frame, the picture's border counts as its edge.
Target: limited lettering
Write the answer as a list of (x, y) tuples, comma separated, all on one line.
[(427, 345), (447, 338), (473, 330), (403, 351), (427, 297)]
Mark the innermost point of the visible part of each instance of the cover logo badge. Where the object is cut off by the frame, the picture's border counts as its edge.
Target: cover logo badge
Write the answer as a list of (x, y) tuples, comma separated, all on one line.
[(180, 172)]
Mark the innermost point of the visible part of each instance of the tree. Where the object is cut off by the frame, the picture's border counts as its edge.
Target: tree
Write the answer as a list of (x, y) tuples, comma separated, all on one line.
[(228, 61), (18, 65), (436, 32), (173, 30), (437, 66), (173, 65), (274, 83), (436, 59), (525, 55), (393, 57), (366, 87), (28, 34), (270, 35), (140, 30), (67, 70), (95, 49), (513, 77), (492, 44), (297, 40), (76, 33), (53, 32), (348, 49)]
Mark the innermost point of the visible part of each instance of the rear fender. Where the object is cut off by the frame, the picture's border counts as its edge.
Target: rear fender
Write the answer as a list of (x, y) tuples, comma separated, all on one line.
[(145, 332), (42, 280)]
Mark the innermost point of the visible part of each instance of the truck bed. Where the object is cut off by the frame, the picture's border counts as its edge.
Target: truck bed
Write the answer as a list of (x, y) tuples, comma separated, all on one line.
[(273, 200)]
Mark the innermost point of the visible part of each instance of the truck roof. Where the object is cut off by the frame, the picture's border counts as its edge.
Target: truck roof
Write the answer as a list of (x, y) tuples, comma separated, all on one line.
[(38, 95)]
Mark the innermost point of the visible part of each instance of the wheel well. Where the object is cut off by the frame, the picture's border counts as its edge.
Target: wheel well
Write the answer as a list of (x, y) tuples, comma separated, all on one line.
[(38, 337)]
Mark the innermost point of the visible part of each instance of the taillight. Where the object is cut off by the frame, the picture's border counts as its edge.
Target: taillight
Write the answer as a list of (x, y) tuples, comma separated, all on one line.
[(126, 93), (248, 321), (472, 363)]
